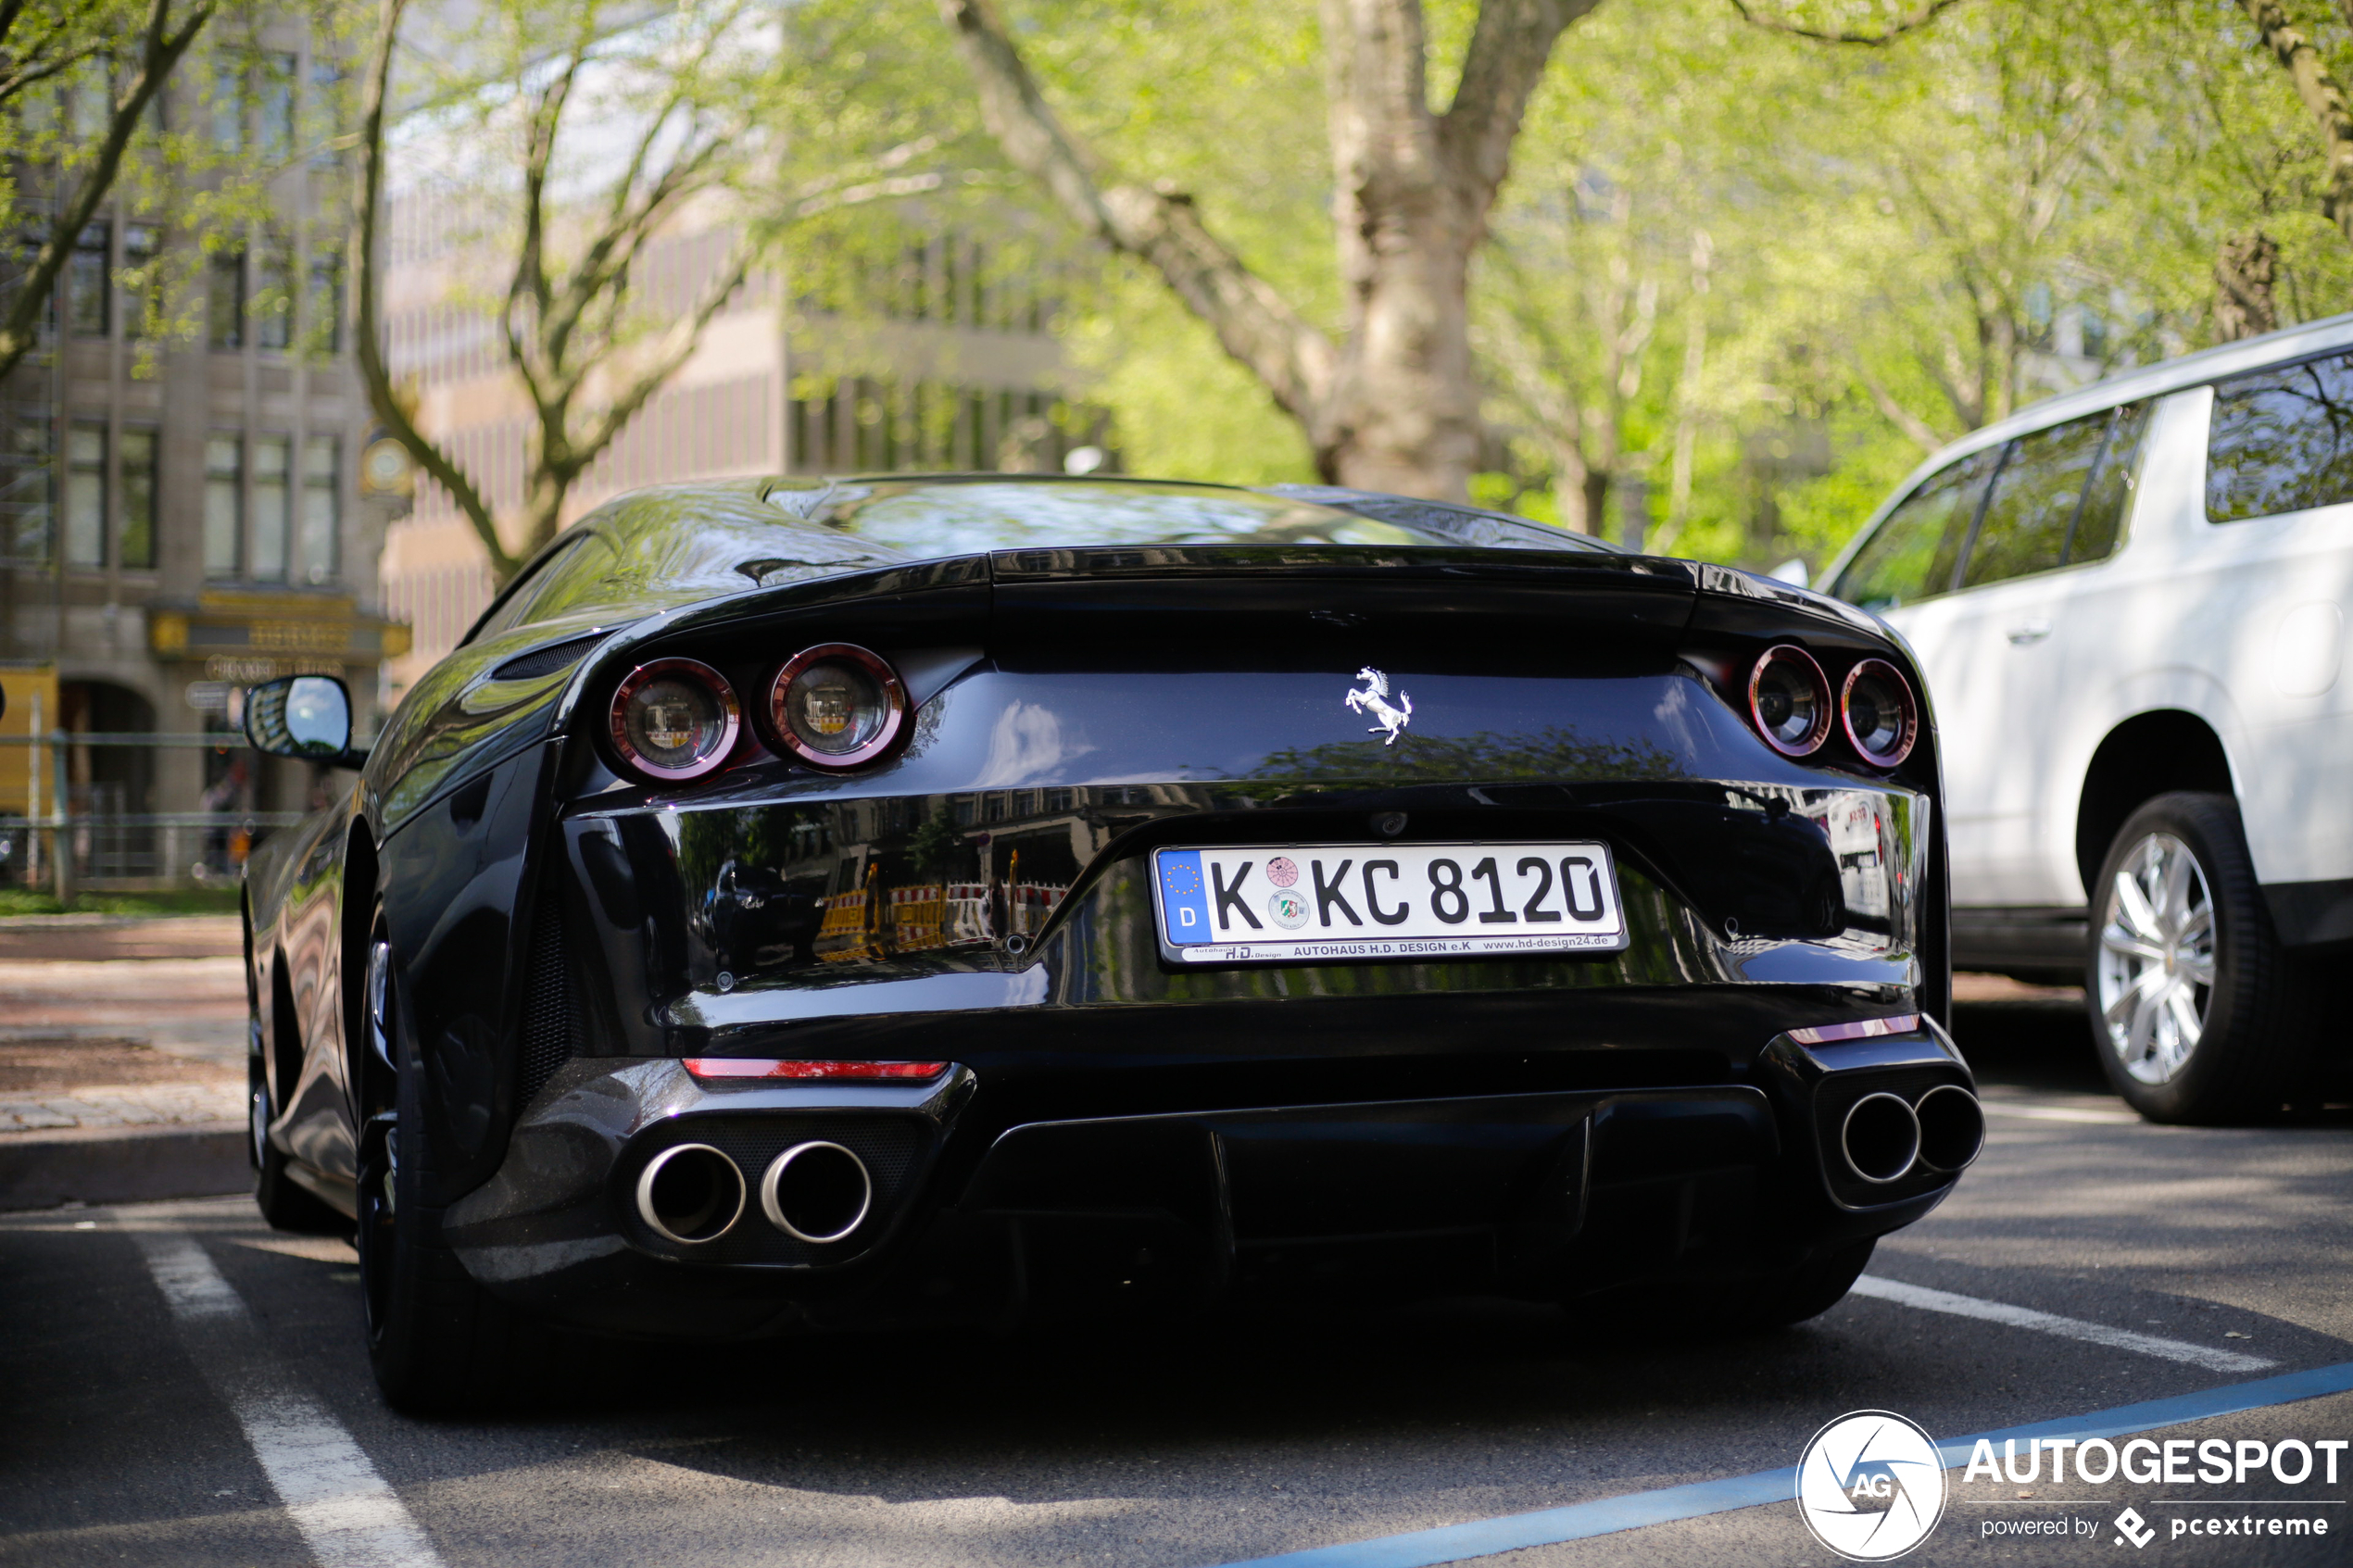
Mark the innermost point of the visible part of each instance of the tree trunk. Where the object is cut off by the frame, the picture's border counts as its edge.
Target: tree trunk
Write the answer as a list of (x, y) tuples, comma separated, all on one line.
[(2324, 98), (1394, 404), (2245, 267)]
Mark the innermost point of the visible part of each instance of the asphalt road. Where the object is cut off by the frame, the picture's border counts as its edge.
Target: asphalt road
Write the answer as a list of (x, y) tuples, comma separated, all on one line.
[(179, 1386)]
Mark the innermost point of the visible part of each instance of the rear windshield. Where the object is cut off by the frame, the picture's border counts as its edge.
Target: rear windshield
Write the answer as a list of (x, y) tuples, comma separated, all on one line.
[(953, 519), (647, 551)]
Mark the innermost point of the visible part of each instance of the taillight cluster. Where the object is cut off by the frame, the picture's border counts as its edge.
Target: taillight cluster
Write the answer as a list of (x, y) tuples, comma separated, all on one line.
[(1790, 702), (832, 705)]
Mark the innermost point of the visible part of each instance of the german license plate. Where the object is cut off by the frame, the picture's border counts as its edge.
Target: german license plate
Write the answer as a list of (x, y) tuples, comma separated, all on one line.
[(1290, 903)]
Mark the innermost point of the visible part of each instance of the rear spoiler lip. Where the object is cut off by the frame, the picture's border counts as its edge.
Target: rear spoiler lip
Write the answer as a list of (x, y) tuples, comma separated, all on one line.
[(1010, 568)]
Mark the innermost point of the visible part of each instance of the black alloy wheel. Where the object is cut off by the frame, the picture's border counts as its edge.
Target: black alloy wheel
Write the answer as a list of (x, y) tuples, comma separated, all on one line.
[(2199, 1013), (436, 1340)]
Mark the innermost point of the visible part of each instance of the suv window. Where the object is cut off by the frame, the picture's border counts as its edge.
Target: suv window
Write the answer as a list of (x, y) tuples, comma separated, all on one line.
[(2108, 501), (1912, 555), (2034, 500), (2060, 497), (2281, 441)]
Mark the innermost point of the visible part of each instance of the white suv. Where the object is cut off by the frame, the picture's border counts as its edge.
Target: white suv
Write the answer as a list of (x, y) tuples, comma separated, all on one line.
[(2128, 603)]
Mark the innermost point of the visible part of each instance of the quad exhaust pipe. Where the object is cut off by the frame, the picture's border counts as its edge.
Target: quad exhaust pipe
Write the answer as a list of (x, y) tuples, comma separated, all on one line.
[(1952, 1127), (690, 1193), (1884, 1136), (815, 1192)]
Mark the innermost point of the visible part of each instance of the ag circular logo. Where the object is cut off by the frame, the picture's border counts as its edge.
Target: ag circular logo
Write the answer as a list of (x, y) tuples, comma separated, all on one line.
[(1871, 1486)]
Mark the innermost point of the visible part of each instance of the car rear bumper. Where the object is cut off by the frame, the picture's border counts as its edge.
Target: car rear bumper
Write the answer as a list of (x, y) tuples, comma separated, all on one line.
[(1019, 1183)]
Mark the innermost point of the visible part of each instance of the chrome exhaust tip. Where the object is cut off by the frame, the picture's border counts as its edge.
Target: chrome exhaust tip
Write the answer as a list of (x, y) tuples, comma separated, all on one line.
[(690, 1193), (1952, 1128), (816, 1192), (1881, 1137)]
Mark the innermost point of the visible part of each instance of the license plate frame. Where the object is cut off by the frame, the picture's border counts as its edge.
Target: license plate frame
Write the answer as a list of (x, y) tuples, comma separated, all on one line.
[(1198, 891)]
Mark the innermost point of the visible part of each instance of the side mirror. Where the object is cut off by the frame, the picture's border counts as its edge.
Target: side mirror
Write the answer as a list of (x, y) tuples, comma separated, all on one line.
[(302, 716)]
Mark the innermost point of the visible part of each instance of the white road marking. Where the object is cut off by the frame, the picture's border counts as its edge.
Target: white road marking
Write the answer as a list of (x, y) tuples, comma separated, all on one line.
[(347, 1513), (1930, 1301), (2060, 1114)]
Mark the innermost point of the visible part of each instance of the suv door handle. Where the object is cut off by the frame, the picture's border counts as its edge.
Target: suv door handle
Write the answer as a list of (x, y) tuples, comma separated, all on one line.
[(2029, 632)]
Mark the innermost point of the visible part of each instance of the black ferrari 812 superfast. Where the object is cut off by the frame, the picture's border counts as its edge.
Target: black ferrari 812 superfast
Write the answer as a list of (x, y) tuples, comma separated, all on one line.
[(803, 904)]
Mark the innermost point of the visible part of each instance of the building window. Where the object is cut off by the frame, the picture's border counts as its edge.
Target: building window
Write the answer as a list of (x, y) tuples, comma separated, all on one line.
[(138, 539), (323, 312), (322, 508), (224, 505), (326, 108), (26, 476), (86, 496), (1057, 800), (273, 298), (227, 99), (141, 253), (225, 300), (275, 95), (89, 96), (86, 313), (272, 506)]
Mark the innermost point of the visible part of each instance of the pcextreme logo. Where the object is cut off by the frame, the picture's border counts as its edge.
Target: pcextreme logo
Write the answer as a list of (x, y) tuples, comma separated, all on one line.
[(1871, 1486)]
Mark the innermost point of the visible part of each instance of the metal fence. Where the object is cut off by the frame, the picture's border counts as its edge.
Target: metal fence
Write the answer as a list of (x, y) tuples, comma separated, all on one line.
[(55, 846)]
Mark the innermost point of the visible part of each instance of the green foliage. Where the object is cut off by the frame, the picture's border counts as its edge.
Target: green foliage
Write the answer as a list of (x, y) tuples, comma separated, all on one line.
[(66, 73), (1183, 410), (937, 849), (16, 901), (1763, 274)]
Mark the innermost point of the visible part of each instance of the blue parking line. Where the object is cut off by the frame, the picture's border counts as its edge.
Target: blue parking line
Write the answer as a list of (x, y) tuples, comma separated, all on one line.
[(1606, 1516)]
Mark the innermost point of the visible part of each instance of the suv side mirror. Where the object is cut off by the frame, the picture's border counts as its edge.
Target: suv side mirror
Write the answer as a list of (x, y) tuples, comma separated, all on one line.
[(306, 717)]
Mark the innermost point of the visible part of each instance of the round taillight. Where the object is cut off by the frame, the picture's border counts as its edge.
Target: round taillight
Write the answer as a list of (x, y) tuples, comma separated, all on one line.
[(674, 719), (836, 706), (1790, 699), (1882, 720)]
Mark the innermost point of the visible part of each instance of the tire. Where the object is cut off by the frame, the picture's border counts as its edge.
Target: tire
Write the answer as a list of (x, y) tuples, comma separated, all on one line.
[(284, 1203), (1818, 1284), (2198, 1013), (437, 1341), (1765, 1303)]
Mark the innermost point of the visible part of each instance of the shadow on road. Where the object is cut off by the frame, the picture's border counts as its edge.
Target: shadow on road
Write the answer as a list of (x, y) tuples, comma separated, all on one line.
[(2030, 1043)]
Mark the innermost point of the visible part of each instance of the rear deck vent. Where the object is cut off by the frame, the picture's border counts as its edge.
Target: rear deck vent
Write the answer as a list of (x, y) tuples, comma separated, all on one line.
[(550, 1008), (546, 660)]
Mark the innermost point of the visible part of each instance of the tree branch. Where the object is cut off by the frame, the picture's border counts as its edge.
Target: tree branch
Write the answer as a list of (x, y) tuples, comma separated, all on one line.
[(650, 381), (159, 50), (1509, 48), (2323, 100), (31, 65), (1922, 433), (367, 196), (1919, 19), (1254, 324)]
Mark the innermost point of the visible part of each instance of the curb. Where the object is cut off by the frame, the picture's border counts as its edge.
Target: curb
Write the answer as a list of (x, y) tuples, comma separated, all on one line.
[(130, 1165)]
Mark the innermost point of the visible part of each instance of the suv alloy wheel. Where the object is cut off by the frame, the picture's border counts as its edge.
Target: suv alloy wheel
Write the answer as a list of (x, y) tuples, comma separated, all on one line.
[(2200, 1014)]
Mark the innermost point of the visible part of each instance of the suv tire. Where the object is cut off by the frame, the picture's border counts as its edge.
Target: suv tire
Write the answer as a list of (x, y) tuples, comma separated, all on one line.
[(2198, 1013)]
